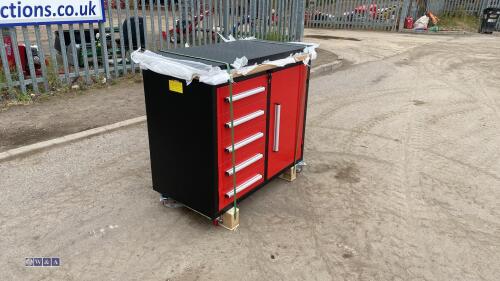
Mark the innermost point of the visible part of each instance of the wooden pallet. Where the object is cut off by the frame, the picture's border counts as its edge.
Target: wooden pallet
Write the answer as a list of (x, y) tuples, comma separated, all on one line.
[(231, 219), (290, 174)]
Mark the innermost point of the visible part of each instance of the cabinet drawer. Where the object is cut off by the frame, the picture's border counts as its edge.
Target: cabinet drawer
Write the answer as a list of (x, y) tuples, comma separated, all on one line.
[(242, 176), (244, 148), (226, 180), (247, 114), (245, 185), (243, 130), (246, 108), (258, 95), (245, 164), (244, 92)]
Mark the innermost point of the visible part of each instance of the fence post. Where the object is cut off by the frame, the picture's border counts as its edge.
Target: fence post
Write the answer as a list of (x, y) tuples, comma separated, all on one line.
[(172, 9), (52, 51), (95, 62), (167, 24), (404, 13), (122, 42), (181, 24), (5, 63), (112, 34), (41, 54), (301, 13), (31, 64), (152, 18), (194, 22), (104, 49), (226, 18), (83, 44)]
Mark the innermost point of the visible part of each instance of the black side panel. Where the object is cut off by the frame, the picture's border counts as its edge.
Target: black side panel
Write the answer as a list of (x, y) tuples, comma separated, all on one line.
[(181, 141)]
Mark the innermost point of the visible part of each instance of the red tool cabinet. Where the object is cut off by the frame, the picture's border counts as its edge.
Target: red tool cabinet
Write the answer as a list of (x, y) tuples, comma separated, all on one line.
[(190, 133)]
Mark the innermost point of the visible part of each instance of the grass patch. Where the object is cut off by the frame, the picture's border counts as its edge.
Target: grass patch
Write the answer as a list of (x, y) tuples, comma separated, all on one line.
[(459, 21), (2, 76), (4, 89), (53, 79), (58, 88), (24, 98), (5, 92), (273, 36)]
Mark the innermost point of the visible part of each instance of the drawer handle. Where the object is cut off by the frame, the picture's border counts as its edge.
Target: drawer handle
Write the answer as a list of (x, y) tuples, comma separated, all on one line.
[(244, 142), (245, 164), (244, 185), (245, 118), (277, 121), (247, 94)]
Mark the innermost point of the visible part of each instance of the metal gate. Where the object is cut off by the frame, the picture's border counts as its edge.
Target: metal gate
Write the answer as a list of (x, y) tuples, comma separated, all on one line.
[(41, 58)]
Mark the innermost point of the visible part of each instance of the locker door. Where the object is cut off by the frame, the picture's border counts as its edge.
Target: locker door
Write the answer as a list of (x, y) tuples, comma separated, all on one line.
[(286, 85)]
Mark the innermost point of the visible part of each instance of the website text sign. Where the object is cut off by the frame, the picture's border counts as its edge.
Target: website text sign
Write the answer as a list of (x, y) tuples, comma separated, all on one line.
[(37, 12)]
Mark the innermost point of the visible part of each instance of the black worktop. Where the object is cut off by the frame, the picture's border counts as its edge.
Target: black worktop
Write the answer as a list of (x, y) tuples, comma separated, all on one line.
[(256, 51)]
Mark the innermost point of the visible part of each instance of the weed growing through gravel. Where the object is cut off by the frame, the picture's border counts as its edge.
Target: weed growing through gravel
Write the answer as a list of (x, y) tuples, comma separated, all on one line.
[(459, 21)]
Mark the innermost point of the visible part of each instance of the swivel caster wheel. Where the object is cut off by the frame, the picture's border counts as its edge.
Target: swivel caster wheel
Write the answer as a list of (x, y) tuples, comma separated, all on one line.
[(300, 166), (169, 202)]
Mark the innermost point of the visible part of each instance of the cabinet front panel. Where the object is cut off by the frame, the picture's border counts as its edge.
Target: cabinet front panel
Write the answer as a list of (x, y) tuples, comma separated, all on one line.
[(283, 114)]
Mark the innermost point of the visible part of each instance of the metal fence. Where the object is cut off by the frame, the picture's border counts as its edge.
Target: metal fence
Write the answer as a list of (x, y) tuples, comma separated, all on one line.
[(38, 59), (353, 14), (384, 14), (469, 7), (454, 8)]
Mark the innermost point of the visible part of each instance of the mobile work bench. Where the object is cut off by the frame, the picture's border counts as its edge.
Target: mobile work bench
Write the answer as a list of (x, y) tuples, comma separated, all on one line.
[(190, 126)]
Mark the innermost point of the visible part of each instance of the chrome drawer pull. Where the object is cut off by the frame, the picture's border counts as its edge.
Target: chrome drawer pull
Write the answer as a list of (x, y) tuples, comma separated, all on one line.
[(244, 142), (277, 121), (246, 94), (244, 164), (245, 118), (244, 185)]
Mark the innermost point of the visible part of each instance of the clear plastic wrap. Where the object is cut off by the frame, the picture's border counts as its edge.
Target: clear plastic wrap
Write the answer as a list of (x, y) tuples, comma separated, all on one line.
[(182, 69), (188, 70)]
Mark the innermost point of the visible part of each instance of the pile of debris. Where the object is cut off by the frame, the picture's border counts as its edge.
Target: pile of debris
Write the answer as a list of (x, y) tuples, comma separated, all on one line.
[(427, 22)]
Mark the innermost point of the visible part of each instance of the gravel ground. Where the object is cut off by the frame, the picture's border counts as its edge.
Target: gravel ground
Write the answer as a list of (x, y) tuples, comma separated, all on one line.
[(70, 113), (402, 183)]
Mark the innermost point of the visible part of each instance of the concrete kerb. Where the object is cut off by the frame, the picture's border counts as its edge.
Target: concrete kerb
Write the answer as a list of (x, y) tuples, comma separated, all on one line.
[(20, 151), (326, 68), (442, 32)]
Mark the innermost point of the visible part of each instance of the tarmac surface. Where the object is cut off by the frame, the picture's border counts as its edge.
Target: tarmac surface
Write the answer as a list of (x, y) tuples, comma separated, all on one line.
[(402, 183)]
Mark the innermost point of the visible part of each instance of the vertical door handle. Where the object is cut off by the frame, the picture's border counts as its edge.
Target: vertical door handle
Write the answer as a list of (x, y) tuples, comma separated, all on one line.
[(277, 121)]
